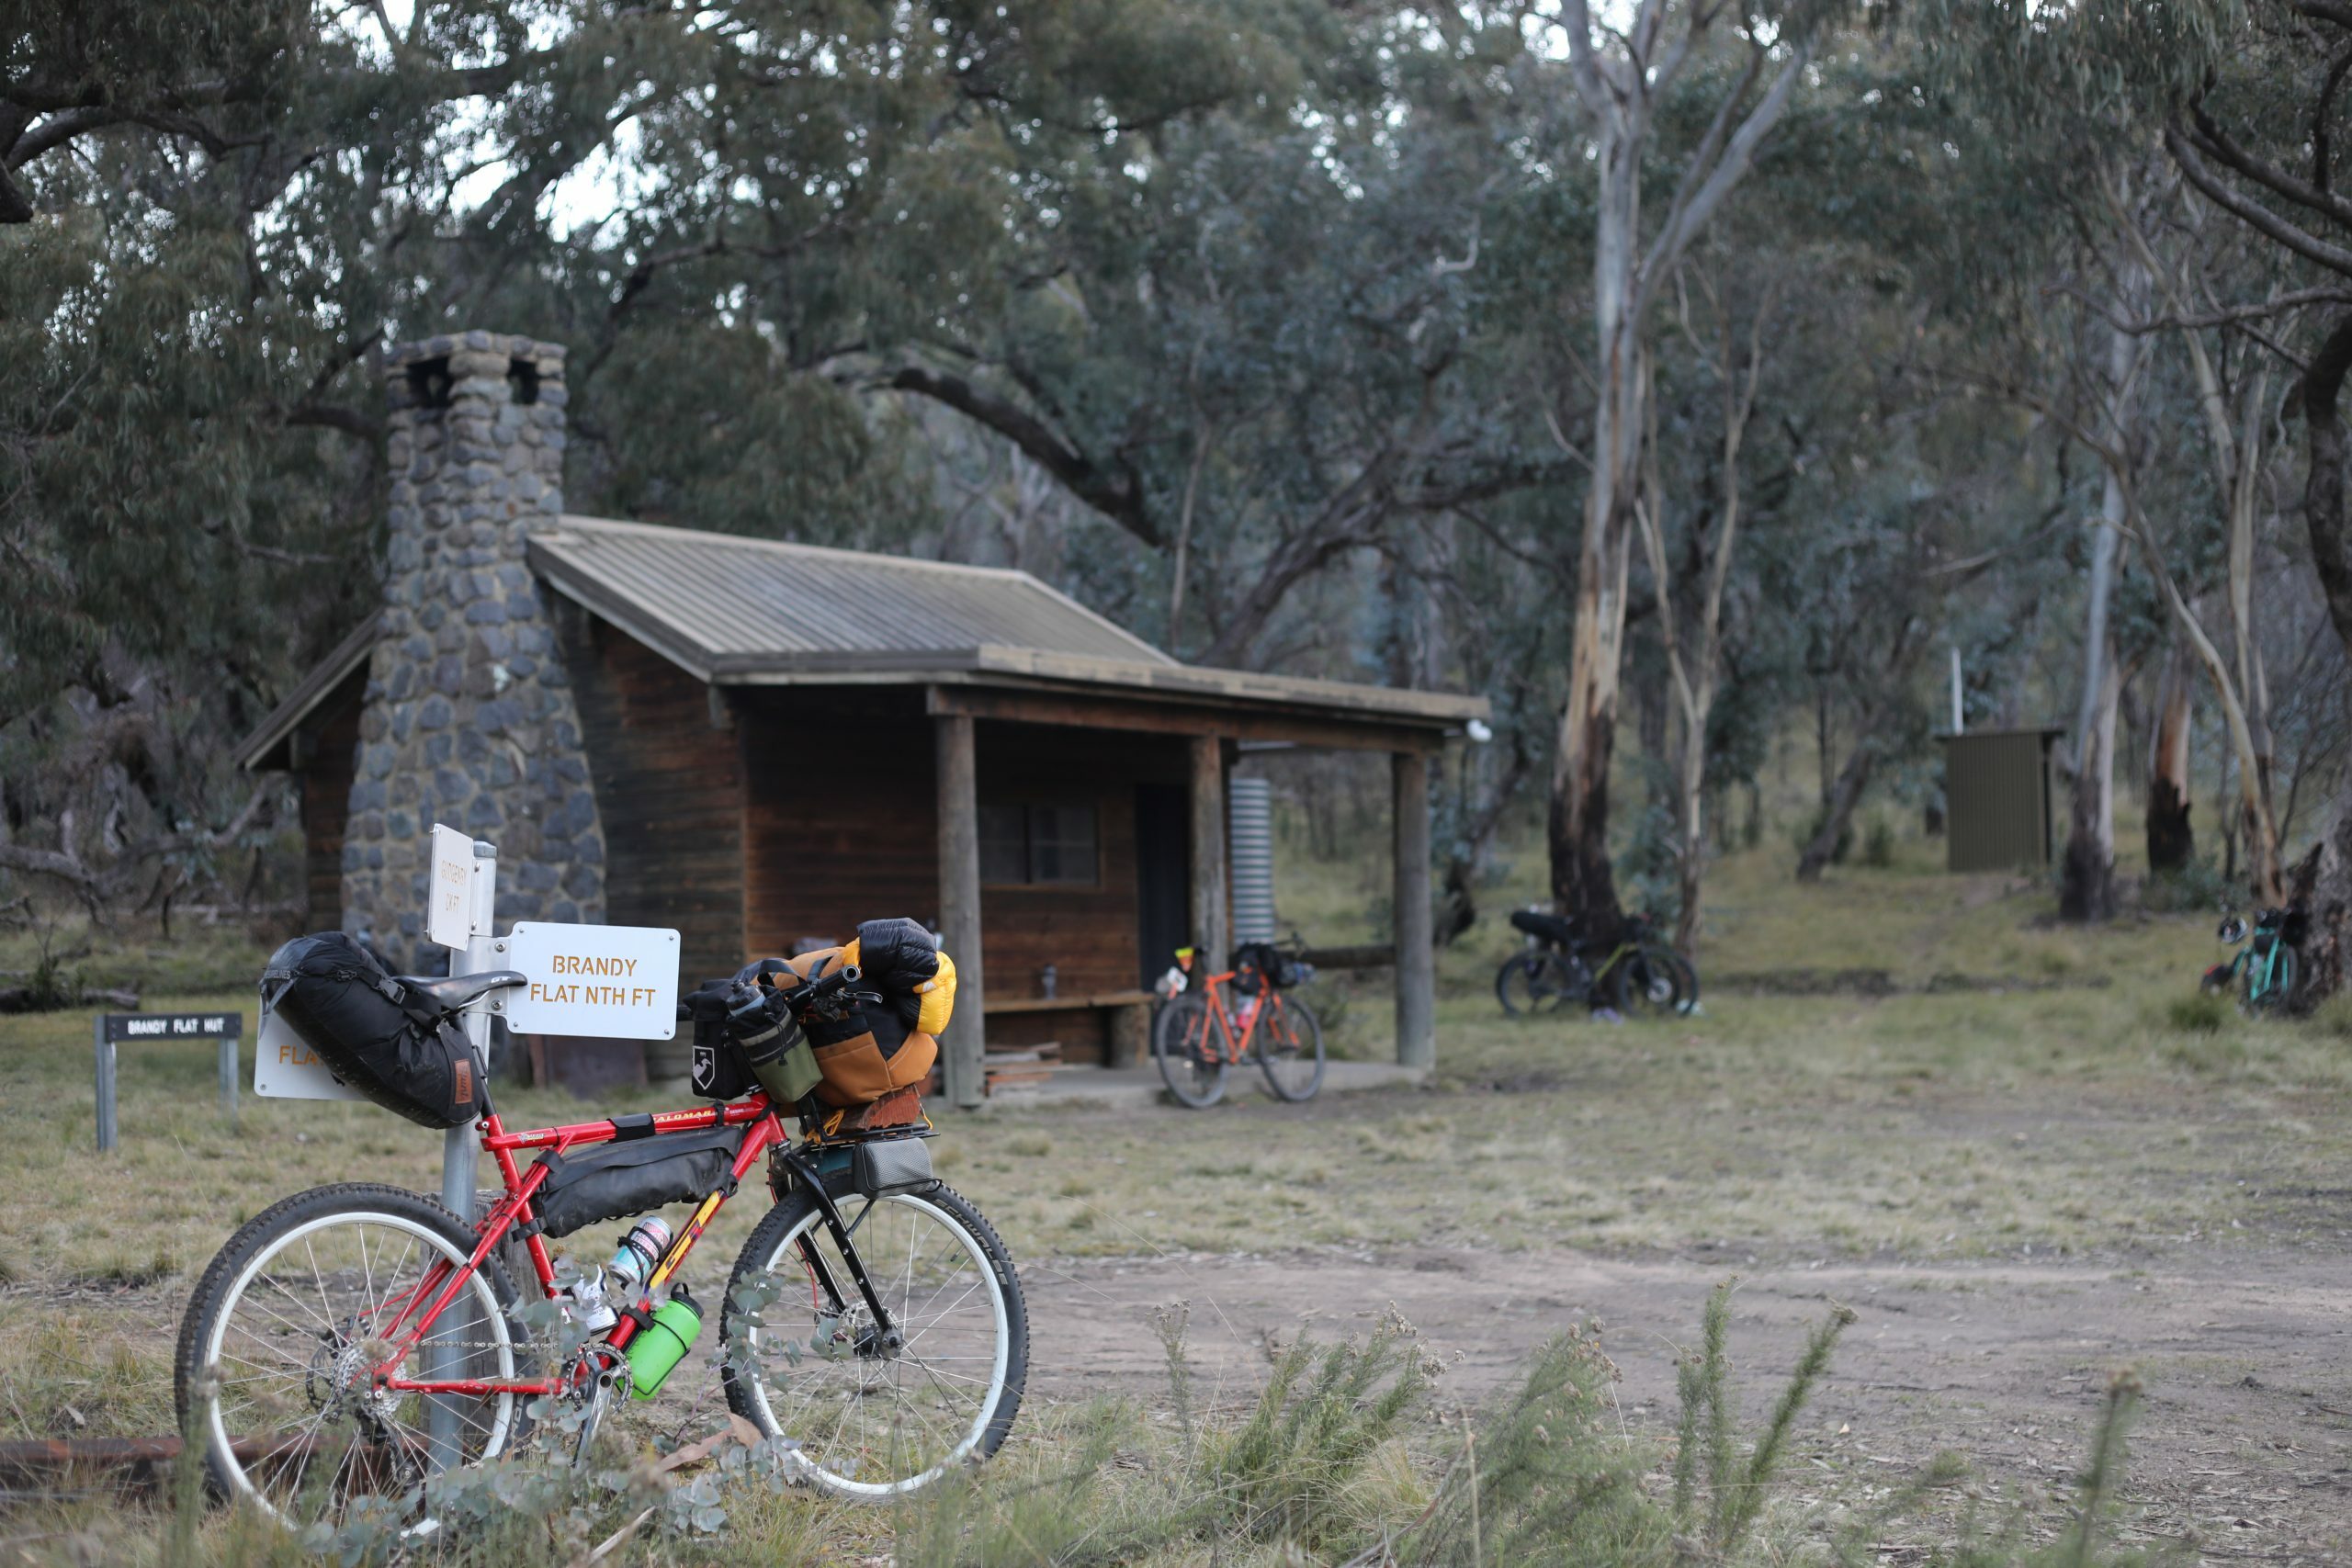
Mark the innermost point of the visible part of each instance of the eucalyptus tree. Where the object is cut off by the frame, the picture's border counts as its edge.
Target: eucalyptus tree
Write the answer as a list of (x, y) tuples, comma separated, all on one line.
[(1741, 68)]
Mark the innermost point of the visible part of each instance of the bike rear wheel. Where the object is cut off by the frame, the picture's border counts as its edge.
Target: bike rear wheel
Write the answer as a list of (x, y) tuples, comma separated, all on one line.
[(804, 1362), (1535, 980), (283, 1332), (1185, 1043), (1290, 1050)]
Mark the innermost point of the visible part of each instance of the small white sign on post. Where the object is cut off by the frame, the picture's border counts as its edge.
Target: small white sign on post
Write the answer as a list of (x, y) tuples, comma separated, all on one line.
[(450, 918), (607, 982), (287, 1068)]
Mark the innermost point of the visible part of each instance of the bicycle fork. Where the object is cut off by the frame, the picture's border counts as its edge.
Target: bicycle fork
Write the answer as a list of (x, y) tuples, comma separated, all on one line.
[(886, 1335)]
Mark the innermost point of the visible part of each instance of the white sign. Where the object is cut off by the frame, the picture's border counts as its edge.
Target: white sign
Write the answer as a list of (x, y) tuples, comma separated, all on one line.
[(286, 1068), (449, 912), (611, 982)]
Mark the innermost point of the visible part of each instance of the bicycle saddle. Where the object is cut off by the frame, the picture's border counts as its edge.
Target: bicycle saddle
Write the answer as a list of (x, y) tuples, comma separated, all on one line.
[(455, 990), (1548, 928)]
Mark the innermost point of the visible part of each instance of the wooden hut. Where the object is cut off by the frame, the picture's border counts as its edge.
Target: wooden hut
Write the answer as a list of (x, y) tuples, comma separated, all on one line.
[(786, 739)]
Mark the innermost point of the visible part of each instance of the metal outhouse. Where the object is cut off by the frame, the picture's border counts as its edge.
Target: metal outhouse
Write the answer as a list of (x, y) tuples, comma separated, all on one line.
[(1997, 794)]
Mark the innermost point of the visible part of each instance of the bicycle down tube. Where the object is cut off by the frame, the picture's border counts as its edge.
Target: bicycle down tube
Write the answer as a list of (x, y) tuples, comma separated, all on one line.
[(444, 1281)]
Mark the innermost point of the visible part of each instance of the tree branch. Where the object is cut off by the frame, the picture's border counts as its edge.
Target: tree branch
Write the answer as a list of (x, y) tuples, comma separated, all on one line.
[(2256, 216), (1119, 499)]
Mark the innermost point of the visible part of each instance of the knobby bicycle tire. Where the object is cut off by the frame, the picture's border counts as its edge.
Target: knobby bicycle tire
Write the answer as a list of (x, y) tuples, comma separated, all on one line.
[(194, 1386), (1186, 1046), (741, 1361), (1308, 1031)]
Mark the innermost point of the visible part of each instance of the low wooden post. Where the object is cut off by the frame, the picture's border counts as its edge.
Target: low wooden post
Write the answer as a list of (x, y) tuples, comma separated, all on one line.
[(1209, 913), (964, 1049), (1416, 957)]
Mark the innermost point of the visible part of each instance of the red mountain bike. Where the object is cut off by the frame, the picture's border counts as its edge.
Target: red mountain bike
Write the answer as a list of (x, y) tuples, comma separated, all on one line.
[(356, 1340)]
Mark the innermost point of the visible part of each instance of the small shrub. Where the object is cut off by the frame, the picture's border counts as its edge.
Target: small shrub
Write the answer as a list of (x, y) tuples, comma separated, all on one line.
[(2200, 1012), (1878, 844), (2197, 888)]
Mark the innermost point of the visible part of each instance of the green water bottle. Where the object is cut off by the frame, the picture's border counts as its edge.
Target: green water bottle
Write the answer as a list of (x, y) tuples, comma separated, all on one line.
[(658, 1347)]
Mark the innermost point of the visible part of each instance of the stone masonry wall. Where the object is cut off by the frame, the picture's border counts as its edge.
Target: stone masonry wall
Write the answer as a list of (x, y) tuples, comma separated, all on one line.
[(469, 719)]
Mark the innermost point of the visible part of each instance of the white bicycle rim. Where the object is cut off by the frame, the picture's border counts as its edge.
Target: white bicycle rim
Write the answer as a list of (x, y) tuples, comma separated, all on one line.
[(895, 1287), (486, 1305)]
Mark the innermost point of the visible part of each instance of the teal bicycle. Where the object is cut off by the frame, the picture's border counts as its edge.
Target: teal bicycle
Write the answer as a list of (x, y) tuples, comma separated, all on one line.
[(2264, 973)]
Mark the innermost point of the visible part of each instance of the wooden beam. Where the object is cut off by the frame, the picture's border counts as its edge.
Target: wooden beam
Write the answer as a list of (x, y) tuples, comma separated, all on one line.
[(1209, 911), (964, 1047), (1415, 943), (1179, 716)]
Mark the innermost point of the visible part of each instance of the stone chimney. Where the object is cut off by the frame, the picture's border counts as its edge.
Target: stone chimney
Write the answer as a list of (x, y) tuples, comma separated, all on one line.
[(469, 717)]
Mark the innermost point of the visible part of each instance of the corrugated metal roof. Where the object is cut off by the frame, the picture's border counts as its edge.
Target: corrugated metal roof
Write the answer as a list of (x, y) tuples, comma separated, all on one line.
[(754, 612), (719, 602), (734, 610)]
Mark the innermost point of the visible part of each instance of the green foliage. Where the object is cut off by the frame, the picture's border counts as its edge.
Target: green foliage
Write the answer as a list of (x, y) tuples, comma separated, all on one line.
[(2199, 1012), (1323, 1413), (1878, 842)]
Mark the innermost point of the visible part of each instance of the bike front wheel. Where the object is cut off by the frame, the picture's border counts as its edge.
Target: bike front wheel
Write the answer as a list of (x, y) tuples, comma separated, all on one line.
[(285, 1332), (1648, 984), (877, 1414), (1184, 1044), (1290, 1050)]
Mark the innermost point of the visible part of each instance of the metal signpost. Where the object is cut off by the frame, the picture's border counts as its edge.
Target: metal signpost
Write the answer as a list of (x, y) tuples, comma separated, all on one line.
[(109, 1029)]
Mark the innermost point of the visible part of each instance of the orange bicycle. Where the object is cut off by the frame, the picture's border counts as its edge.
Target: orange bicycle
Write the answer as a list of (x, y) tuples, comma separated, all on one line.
[(1198, 1036)]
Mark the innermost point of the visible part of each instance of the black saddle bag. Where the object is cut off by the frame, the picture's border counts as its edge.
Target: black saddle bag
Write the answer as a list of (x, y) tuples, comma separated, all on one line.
[(403, 1051), (610, 1181)]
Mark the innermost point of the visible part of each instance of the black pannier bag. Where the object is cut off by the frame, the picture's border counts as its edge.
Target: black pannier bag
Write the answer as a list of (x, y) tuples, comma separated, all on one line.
[(401, 1049), (609, 1181), (1260, 964)]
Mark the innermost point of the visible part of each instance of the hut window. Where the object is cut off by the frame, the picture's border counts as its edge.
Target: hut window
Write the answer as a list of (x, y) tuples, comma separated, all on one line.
[(1035, 844)]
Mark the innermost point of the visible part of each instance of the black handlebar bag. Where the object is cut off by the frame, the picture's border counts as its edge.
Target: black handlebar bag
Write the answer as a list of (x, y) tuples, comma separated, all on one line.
[(402, 1051)]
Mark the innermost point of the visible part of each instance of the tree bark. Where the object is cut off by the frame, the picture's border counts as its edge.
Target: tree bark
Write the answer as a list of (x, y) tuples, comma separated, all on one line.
[(2087, 885), (2323, 512), (2171, 843), (1843, 796), (2087, 880)]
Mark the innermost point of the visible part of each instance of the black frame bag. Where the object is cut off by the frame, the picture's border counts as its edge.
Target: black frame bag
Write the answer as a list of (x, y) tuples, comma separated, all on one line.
[(609, 1181), (401, 1050)]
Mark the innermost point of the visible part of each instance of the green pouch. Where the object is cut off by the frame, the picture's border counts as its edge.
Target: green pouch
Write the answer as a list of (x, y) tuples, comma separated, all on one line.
[(789, 1074)]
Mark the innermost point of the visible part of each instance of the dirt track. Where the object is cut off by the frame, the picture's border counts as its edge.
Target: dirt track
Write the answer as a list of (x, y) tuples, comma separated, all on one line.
[(2243, 1446)]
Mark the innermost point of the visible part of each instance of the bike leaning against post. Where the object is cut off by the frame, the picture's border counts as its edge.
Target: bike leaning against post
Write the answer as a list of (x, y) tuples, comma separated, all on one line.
[(1200, 1035), (2264, 971), (360, 1339), (1640, 976)]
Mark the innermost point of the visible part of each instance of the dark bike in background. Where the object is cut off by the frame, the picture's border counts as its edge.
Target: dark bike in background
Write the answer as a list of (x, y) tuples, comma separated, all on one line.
[(1641, 976)]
